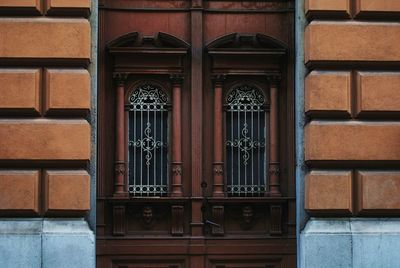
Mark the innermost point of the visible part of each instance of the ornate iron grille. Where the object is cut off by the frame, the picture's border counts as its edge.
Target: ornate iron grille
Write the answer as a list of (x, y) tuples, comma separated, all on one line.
[(245, 141), (148, 141)]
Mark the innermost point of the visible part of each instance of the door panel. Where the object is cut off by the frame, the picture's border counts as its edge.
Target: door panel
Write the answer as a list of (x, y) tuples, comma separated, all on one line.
[(197, 53)]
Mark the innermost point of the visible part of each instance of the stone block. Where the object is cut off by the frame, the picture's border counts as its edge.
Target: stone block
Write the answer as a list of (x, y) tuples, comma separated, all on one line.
[(328, 94), (43, 139), (343, 42), (378, 191), (365, 8), (328, 192), (67, 192), (74, 7), (19, 192), (44, 38), (33, 7), (20, 91), (377, 93), (325, 8), (68, 243), (67, 90), (352, 141)]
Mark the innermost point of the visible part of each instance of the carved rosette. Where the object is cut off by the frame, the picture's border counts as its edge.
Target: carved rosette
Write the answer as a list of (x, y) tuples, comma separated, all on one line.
[(177, 170), (274, 170), (120, 168), (218, 170), (176, 179)]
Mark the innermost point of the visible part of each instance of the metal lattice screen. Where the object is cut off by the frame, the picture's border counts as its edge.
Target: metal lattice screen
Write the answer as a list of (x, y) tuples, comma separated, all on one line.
[(148, 141), (245, 141)]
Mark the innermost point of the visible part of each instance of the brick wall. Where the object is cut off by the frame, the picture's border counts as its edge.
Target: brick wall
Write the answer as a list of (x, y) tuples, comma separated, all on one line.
[(45, 138), (352, 103)]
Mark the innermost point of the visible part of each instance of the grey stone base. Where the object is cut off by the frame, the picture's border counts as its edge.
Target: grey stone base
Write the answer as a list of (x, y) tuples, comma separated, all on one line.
[(356, 243), (48, 243)]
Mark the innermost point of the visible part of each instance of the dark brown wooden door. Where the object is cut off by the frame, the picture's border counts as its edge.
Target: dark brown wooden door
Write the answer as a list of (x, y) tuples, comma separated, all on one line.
[(195, 134)]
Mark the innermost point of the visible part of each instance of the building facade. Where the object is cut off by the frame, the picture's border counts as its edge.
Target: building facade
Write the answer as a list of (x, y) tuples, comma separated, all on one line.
[(199, 133)]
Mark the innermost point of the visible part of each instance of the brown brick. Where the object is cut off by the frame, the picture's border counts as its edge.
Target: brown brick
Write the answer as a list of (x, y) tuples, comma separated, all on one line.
[(352, 41), (379, 191), (352, 141), (43, 139), (67, 89), (68, 6), (328, 192), (373, 6), (45, 38), (19, 191), (316, 8), (31, 6), (67, 191), (20, 90), (378, 92), (327, 93)]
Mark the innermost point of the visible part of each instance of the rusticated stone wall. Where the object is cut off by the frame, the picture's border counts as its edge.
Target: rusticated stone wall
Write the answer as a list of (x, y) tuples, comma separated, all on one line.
[(352, 105), (45, 100)]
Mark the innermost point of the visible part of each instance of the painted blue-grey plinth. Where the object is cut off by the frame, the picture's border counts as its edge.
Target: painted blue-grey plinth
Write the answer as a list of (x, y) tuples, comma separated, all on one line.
[(350, 242), (67, 243), (47, 243), (20, 243)]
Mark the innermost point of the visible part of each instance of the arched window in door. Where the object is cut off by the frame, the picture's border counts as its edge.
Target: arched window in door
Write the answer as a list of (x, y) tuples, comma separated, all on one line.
[(148, 106), (245, 128)]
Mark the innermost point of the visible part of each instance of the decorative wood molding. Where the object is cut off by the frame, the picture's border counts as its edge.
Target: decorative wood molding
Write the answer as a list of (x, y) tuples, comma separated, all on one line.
[(177, 219), (136, 40), (120, 164), (120, 78), (197, 4), (119, 220), (274, 79), (218, 218), (246, 41), (218, 182), (274, 165), (218, 79), (275, 226), (147, 217), (176, 81), (247, 217)]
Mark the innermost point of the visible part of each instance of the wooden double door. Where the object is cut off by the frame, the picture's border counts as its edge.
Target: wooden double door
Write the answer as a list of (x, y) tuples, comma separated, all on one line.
[(195, 134)]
